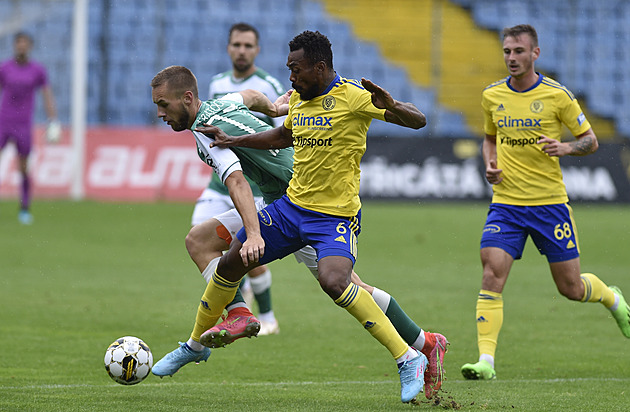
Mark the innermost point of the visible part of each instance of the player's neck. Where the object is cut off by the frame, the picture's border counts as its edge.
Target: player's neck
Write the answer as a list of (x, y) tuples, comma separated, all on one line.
[(193, 116), (21, 59), (525, 81), (329, 78), (245, 74)]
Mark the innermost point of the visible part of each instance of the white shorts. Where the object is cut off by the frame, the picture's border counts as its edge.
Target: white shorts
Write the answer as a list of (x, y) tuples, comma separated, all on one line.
[(232, 221), (211, 204)]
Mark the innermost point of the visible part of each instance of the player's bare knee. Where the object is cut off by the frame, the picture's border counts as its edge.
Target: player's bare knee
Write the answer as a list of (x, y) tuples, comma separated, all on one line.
[(570, 292), (193, 242), (333, 284), (334, 290)]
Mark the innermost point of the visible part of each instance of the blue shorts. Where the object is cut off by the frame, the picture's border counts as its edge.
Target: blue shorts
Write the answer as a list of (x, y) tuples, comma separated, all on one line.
[(551, 227), (285, 227)]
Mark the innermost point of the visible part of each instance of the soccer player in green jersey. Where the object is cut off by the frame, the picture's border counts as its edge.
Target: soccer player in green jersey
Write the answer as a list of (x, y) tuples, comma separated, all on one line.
[(243, 48), (207, 240), (327, 124), (524, 113), (174, 91)]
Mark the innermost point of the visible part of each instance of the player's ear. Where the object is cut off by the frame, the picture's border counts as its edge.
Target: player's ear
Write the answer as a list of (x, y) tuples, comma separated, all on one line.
[(320, 67), (536, 52), (188, 97)]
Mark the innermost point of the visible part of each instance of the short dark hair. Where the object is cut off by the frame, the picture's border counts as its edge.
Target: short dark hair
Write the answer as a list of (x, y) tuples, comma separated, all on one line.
[(316, 47), (23, 35), (243, 27), (522, 29), (178, 78)]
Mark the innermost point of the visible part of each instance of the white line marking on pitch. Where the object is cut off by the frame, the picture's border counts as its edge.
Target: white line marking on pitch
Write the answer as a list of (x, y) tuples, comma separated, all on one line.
[(307, 383)]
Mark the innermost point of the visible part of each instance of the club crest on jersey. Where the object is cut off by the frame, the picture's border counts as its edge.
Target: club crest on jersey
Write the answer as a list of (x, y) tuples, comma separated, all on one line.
[(329, 103), (537, 106)]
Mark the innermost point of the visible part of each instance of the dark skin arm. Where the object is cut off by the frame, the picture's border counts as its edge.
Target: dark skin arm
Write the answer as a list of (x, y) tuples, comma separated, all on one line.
[(258, 102), (400, 113), (277, 138)]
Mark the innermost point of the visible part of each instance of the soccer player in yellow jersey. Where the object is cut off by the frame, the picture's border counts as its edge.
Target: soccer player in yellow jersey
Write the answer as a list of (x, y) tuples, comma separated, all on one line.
[(523, 116), (327, 124)]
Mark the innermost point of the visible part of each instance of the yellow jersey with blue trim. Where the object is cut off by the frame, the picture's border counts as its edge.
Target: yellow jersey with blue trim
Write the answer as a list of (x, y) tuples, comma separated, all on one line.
[(329, 139), (518, 119)]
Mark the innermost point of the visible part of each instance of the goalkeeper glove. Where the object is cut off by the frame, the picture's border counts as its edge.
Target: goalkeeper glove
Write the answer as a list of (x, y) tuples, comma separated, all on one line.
[(53, 131)]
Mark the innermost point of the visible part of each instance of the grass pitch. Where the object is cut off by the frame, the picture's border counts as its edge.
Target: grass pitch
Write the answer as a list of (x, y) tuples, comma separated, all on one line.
[(87, 273)]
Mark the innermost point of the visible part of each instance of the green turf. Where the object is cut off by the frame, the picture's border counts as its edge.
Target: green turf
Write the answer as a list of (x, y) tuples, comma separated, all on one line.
[(87, 273)]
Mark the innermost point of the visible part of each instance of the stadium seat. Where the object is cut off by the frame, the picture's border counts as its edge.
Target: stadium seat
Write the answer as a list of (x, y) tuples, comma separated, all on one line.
[(150, 34), (464, 3), (487, 14), (449, 124)]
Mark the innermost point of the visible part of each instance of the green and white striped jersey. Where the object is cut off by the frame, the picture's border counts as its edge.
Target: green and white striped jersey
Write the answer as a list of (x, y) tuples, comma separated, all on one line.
[(270, 170)]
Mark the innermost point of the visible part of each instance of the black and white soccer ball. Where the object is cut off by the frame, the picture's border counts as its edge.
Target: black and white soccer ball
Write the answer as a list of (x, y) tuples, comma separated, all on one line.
[(128, 360)]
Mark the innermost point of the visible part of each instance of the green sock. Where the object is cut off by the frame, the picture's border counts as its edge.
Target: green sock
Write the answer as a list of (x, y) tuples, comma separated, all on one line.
[(261, 286), (238, 298), (264, 300), (403, 324), (405, 327)]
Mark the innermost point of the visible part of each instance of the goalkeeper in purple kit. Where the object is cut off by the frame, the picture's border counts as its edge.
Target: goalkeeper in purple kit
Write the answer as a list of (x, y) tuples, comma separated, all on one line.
[(20, 78)]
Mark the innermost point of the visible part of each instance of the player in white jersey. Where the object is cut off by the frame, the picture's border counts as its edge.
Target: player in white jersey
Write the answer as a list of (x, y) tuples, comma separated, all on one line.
[(243, 48)]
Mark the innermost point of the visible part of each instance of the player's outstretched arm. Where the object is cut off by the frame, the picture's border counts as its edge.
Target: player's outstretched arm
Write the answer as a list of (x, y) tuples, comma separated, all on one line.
[(400, 113), (259, 102), (277, 138)]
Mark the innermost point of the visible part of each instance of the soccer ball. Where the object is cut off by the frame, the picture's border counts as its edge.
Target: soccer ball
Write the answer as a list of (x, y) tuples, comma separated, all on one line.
[(128, 360)]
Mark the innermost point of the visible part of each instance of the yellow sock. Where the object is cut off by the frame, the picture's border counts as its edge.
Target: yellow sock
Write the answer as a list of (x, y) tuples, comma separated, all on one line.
[(362, 306), (219, 292), (489, 321), (596, 291)]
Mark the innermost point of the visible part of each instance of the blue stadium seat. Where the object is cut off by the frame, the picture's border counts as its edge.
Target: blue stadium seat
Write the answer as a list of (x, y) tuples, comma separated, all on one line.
[(487, 14), (219, 10), (450, 124), (519, 12), (577, 57), (424, 99), (142, 36), (464, 3)]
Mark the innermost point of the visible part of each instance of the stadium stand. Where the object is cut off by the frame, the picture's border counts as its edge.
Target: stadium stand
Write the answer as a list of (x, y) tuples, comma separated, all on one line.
[(584, 46), (439, 55)]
